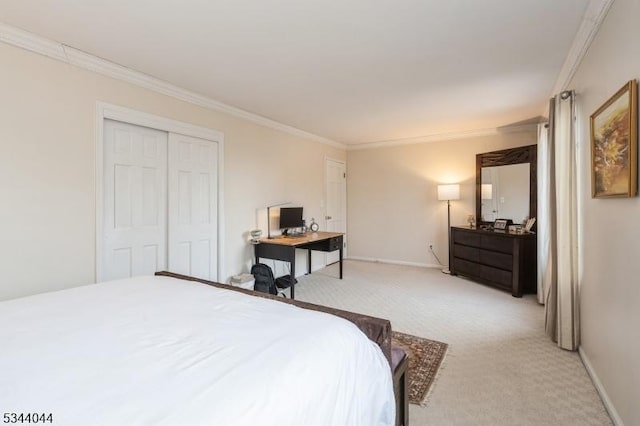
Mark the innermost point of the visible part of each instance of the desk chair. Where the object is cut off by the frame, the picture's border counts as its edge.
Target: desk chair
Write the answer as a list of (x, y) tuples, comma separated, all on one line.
[(283, 283)]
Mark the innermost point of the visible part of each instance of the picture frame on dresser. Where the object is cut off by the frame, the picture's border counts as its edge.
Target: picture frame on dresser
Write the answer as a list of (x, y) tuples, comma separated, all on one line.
[(502, 224)]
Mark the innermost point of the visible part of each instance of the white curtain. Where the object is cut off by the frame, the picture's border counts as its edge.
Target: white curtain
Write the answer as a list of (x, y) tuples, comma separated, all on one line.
[(557, 228), (545, 204)]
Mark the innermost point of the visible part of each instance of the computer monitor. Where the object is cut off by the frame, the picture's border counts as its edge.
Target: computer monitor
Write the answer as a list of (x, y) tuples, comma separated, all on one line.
[(291, 217)]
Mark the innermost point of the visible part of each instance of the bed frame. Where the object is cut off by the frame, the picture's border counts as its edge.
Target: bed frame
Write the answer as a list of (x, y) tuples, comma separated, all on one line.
[(377, 330)]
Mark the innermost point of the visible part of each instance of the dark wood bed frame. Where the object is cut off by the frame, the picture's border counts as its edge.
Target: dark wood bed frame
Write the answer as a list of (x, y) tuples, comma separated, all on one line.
[(377, 330)]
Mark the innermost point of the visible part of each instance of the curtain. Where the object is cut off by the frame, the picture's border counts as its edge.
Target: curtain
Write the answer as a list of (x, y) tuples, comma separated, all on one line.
[(546, 206), (558, 244)]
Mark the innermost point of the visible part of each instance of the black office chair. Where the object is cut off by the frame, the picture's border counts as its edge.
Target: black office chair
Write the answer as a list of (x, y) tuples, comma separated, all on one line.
[(283, 283)]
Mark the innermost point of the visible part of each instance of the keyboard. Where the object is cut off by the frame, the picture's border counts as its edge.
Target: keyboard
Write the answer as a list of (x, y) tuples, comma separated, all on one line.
[(295, 236)]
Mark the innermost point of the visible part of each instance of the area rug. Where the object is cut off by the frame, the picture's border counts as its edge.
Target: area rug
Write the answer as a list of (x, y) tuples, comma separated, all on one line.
[(425, 359)]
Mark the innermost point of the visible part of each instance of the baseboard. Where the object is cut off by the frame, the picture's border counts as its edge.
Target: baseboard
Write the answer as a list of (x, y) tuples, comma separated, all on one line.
[(395, 262), (615, 417), (318, 267)]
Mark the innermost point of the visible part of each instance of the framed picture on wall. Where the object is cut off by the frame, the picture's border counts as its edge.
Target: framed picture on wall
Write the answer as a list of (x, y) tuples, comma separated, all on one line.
[(614, 145)]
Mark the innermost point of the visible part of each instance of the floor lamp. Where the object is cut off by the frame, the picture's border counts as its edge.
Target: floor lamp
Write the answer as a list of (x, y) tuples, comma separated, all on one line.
[(448, 193)]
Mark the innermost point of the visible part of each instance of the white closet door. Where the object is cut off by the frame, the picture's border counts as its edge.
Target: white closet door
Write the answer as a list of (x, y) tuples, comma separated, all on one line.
[(135, 221), (193, 195)]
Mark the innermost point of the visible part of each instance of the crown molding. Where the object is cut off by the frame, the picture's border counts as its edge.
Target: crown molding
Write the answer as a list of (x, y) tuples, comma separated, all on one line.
[(52, 49), (445, 137), (593, 17), (34, 43)]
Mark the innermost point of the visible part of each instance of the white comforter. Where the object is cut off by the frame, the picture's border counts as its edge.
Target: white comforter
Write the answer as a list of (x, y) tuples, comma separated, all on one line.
[(160, 351)]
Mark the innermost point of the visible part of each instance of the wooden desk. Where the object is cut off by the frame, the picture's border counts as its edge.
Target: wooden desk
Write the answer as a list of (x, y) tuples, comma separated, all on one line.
[(284, 248)]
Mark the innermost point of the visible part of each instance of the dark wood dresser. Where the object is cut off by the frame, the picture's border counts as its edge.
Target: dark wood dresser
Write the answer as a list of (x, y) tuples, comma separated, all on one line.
[(500, 259)]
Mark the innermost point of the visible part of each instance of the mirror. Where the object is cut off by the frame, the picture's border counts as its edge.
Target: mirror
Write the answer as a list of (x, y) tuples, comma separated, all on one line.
[(505, 193), (506, 185)]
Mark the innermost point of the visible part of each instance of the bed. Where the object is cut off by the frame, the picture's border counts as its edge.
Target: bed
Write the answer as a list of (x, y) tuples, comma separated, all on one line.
[(166, 351)]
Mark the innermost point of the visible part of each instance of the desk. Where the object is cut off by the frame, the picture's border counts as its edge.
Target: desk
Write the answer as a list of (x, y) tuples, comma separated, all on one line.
[(284, 248)]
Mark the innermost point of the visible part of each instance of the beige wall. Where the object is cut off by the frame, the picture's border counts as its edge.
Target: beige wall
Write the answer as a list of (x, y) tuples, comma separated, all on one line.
[(610, 231), (394, 213), (47, 166)]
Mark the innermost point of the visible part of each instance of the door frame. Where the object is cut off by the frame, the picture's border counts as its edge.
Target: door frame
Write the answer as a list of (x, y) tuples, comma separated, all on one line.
[(326, 199), (106, 111)]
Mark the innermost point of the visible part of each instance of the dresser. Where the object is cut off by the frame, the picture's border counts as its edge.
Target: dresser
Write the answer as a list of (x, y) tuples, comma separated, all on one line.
[(503, 260)]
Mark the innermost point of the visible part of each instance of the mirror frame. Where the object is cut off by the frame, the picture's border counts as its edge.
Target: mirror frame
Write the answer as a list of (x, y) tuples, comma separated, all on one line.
[(505, 157)]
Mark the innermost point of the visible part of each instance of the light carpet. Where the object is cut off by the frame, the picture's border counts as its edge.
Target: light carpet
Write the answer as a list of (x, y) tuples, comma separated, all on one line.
[(501, 369)]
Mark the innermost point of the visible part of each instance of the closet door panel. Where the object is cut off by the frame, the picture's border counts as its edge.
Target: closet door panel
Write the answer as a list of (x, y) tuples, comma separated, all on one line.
[(134, 216), (193, 223)]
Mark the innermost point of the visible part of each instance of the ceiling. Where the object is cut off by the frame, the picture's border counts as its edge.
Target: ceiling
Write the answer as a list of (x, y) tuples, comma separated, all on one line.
[(356, 71)]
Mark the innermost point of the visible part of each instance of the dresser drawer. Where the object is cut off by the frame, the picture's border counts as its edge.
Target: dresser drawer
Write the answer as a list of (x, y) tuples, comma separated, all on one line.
[(484, 273), (467, 253), (498, 260), (464, 267), (466, 238), (496, 276), (496, 243)]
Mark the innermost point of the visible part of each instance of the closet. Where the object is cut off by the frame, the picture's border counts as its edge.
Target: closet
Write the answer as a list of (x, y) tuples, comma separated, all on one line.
[(159, 203)]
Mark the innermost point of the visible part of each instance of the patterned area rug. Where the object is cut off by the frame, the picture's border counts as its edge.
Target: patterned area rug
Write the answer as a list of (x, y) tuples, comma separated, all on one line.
[(425, 359)]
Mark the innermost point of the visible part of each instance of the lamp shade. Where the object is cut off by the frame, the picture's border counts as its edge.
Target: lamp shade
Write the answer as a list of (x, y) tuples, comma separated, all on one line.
[(449, 192), (486, 191)]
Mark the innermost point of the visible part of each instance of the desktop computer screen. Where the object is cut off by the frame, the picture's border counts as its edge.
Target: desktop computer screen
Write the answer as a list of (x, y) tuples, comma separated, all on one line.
[(291, 217)]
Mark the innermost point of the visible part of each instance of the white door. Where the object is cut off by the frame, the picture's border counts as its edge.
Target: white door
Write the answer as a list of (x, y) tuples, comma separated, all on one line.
[(135, 170), (193, 198), (489, 209), (336, 204)]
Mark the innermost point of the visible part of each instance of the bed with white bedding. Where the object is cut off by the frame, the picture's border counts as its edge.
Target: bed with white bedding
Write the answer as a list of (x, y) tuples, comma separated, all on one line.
[(162, 351)]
